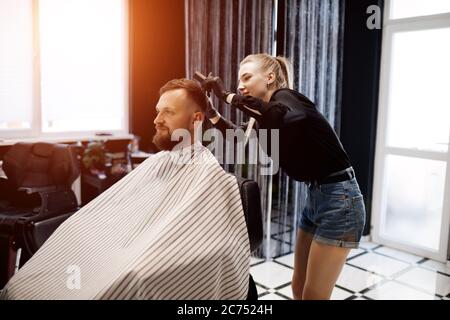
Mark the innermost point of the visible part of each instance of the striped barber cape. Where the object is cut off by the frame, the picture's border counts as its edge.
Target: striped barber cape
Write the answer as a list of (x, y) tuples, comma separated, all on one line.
[(173, 228)]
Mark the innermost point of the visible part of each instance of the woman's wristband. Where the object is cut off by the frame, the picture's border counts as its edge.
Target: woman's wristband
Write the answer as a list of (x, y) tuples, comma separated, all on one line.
[(229, 98)]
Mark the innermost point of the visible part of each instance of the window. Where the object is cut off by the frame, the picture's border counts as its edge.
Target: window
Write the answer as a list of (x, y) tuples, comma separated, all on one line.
[(411, 206), (416, 8), (78, 82), (16, 65)]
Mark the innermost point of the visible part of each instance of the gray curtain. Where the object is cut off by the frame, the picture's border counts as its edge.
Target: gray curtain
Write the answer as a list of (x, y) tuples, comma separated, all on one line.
[(314, 45), (220, 33)]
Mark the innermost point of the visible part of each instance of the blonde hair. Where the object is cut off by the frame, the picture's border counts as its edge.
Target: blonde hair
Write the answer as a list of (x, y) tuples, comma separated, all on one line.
[(280, 66)]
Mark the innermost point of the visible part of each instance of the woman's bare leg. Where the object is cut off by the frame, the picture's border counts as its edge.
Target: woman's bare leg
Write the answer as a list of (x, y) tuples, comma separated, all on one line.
[(302, 247), (324, 266)]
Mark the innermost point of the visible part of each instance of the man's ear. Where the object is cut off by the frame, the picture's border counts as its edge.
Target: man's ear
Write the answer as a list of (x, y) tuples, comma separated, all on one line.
[(198, 116)]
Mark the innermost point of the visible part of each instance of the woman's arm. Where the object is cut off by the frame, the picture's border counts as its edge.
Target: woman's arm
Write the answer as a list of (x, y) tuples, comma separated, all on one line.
[(219, 122), (268, 114), (222, 124)]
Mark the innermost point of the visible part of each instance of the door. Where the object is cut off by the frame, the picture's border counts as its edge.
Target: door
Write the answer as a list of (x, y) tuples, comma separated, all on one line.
[(411, 203)]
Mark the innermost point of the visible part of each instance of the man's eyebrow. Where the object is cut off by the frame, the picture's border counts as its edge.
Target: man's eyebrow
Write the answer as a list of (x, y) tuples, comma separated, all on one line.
[(164, 107)]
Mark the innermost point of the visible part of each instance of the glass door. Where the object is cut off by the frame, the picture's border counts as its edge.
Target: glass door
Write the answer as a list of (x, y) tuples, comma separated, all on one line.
[(411, 204)]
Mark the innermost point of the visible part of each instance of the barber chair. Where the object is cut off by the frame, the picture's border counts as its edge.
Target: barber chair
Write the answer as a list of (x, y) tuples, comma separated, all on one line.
[(251, 203), (35, 199)]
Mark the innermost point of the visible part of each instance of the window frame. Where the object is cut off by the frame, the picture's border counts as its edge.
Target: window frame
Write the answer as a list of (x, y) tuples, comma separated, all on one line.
[(391, 27), (35, 130)]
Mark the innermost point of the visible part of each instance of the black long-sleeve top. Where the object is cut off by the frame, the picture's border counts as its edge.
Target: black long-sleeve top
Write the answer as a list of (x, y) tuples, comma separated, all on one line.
[(309, 147)]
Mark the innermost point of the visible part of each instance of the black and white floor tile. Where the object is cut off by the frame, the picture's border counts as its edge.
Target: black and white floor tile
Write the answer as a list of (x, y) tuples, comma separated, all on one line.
[(371, 272)]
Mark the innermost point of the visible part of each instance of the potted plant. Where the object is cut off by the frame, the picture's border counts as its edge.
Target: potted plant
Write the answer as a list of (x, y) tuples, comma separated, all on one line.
[(94, 157)]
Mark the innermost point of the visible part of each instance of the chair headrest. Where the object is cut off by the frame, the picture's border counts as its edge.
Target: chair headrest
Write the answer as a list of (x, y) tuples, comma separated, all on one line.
[(40, 164), (43, 149)]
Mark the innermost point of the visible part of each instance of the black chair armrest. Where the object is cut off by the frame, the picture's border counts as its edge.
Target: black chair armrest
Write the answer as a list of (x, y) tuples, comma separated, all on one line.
[(251, 203), (4, 188), (55, 200), (46, 189)]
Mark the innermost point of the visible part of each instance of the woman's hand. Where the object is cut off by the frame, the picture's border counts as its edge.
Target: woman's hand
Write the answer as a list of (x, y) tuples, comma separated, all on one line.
[(215, 85), (210, 111)]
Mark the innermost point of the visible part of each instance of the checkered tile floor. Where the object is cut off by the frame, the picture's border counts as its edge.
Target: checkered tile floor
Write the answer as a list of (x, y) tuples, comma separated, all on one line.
[(371, 272)]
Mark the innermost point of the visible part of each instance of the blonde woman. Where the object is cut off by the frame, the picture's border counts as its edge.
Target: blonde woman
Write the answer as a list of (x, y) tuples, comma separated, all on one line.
[(309, 151)]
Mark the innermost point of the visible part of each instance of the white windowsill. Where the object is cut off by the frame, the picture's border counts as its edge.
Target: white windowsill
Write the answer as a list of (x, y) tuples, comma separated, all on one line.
[(65, 138)]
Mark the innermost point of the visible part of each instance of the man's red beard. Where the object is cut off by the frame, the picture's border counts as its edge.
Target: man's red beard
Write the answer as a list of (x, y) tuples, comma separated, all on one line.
[(162, 141)]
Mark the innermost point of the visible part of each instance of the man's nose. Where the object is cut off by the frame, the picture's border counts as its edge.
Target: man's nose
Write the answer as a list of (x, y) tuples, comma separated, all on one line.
[(159, 119)]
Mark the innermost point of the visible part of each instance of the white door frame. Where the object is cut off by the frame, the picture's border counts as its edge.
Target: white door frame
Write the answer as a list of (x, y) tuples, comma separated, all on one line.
[(379, 195)]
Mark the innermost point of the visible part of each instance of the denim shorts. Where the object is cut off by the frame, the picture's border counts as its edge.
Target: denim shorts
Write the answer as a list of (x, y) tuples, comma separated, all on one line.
[(335, 213)]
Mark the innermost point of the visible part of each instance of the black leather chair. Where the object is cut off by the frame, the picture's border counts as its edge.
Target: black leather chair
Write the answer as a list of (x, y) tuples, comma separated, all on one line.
[(251, 204), (35, 199)]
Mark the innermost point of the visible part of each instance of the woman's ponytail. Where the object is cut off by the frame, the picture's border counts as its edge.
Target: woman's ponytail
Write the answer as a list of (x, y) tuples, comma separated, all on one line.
[(286, 70)]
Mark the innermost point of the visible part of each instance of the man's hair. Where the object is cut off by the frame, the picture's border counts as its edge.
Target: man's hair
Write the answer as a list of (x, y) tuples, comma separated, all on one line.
[(192, 87)]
